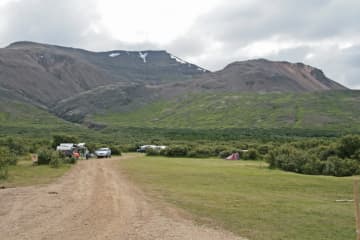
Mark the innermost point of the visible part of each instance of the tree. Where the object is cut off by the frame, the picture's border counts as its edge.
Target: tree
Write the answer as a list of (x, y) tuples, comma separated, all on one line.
[(57, 139), (349, 145)]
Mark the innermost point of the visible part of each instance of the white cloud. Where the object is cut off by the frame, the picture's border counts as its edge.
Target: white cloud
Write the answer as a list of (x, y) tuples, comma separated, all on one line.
[(158, 21)]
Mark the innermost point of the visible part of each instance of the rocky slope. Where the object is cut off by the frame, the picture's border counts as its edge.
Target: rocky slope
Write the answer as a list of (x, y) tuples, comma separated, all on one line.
[(267, 76), (74, 83), (45, 74)]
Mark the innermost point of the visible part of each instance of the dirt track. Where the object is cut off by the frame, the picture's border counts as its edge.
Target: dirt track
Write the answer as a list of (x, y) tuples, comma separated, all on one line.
[(93, 201)]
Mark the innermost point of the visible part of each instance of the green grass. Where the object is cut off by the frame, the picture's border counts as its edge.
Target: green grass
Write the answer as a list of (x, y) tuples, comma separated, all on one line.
[(20, 119), (248, 198), (24, 174), (321, 110)]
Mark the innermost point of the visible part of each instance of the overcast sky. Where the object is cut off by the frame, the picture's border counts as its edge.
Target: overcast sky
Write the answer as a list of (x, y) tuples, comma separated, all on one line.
[(210, 33)]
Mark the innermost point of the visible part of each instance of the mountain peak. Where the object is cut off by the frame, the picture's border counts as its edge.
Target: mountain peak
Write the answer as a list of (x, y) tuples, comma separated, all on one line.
[(262, 75)]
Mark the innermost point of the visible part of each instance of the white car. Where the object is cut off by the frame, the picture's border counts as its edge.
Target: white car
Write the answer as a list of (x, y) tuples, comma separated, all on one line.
[(103, 152)]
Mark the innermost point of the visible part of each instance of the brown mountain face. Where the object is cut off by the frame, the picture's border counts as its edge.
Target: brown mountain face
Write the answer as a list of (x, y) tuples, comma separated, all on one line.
[(73, 83), (45, 74), (267, 76)]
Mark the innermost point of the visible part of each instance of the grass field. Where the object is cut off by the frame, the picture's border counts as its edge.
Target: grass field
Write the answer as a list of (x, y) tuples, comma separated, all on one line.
[(24, 174), (249, 199)]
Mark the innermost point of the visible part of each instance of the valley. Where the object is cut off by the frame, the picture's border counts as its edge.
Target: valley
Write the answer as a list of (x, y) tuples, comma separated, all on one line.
[(288, 123)]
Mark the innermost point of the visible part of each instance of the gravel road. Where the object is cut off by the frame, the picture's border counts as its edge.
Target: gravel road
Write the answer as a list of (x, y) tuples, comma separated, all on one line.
[(94, 200)]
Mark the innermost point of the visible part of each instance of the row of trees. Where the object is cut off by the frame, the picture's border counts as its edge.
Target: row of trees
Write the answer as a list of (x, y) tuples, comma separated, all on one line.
[(340, 158)]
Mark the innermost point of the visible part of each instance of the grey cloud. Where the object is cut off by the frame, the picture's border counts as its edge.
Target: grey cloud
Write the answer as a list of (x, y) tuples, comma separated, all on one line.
[(188, 45), (317, 19), (59, 22), (237, 25), (234, 24)]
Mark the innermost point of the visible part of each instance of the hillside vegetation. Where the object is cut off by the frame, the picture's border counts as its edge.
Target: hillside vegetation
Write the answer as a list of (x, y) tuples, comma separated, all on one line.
[(17, 118), (335, 110)]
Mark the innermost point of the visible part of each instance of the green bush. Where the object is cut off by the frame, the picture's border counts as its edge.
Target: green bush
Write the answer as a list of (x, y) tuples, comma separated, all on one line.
[(340, 167), (69, 160), (251, 154), (176, 151), (289, 158), (3, 169), (324, 152), (7, 156), (263, 149), (152, 152), (57, 139), (115, 150), (224, 154), (16, 147), (44, 156), (356, 155), (55, 160), (349, 145), (200, 152)]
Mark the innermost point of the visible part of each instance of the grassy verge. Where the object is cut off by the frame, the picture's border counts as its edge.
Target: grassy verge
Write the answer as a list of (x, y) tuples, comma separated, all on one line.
[(24, 174), (249, 199)]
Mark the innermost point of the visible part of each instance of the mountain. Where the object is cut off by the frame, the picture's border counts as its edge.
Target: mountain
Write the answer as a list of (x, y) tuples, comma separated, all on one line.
[(267, 76), (157, 89), (45, 74)]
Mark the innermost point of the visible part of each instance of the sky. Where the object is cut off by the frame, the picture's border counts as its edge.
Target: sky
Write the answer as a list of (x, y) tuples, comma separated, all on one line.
[(209, 33)]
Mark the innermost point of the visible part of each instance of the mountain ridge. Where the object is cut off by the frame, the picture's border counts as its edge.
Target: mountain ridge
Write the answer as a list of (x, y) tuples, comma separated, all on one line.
[(75, 84)]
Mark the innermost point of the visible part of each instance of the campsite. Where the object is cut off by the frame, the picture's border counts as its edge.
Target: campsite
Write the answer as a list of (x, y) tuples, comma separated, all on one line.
[(243, 197), (179, 120)]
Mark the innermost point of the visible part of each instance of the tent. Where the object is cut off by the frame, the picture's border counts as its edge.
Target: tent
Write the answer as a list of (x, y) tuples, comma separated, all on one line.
[(234, 156)]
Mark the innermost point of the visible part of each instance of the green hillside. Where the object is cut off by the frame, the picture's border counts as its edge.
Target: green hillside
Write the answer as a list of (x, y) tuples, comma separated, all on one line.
[(338, 110), (18, 118)]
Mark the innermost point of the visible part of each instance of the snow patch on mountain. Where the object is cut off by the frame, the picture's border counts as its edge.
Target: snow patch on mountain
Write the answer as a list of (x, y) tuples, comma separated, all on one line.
[(143, 56), (114, 54), (179, 60)]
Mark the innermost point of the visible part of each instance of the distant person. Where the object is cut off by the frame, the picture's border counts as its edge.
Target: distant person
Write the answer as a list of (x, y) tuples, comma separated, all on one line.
[(76, 155)]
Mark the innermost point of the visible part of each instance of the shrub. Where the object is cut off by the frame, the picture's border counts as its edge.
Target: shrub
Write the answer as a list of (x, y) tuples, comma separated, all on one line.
[(69, 160), (340, 167), (224, 154), (55, 160), (7, 156), (115, 150), (289, 158), (349, 145), (15, 146), (200, 152), (152, 152), (57, 139), (4, 163), (263, 149), (3, 169), (251, 154), (176, 151), (356, 155), (325, 152), (44, 156), (292, 159)]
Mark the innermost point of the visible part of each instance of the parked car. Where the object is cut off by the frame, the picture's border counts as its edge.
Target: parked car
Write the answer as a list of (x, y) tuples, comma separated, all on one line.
[(143, 148), (103, 152)]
